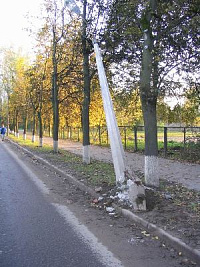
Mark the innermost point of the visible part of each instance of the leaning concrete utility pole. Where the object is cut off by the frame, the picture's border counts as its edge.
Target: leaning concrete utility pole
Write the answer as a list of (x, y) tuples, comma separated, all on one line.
[(136, 191), (113, 130)]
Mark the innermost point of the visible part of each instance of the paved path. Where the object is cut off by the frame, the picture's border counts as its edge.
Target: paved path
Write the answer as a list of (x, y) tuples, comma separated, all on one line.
[(184, 173)]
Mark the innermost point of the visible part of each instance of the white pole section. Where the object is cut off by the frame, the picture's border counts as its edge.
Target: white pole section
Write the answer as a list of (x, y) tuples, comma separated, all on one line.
[(113, 130)]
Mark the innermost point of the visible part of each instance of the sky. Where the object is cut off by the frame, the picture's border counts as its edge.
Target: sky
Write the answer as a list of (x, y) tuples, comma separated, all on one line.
[(13, 22)]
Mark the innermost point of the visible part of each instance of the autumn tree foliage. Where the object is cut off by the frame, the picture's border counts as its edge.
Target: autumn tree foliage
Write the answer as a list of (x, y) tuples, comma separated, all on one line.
[(149, 50), (13, 70)]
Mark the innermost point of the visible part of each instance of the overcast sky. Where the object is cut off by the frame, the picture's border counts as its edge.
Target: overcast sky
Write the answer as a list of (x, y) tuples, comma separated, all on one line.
[(13, 21)]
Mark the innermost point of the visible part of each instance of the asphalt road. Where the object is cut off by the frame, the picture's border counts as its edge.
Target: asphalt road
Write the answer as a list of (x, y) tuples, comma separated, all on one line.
[(32, 231)]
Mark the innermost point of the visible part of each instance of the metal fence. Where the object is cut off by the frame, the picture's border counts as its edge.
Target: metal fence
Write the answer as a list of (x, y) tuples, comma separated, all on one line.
[(133, 136)]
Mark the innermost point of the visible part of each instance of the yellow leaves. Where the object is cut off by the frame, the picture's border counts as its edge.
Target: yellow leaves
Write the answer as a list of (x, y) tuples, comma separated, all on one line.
[(128, 108), (156, 238), (97, 115), (145, 233)]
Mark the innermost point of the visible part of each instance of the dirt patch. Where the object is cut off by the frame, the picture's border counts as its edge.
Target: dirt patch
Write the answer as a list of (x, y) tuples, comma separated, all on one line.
[(175, 209)]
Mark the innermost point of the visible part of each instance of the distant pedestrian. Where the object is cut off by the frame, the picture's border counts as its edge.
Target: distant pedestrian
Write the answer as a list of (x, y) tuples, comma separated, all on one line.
[(3, 132)]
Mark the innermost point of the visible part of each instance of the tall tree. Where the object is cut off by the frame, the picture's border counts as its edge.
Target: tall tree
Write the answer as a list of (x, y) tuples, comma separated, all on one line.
[(157, 37), (149, 94), (63, 43), (91, 27), (8, 77), (14, 84), (86, 77), (191, 107)]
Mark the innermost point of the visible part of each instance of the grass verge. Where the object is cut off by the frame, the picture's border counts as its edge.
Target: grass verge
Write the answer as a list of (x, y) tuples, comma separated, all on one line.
[(97, 173)]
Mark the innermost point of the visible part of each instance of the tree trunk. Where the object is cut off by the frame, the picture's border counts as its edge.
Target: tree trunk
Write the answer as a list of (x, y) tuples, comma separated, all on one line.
[(148, 94), (17, 125), (55, 103), (8, 125), (34, 127), (13, 126), (8, 116), (49, 128), (86, 102), (40, 129), (25, 127), (151, 145)]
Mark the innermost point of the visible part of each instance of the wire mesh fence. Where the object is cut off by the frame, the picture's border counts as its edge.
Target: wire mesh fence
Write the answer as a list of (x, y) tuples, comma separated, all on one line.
[(183, 142), (133, 137)]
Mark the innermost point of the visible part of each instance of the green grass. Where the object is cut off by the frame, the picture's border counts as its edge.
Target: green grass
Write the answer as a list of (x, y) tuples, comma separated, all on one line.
[(97, 173), (30, 144)]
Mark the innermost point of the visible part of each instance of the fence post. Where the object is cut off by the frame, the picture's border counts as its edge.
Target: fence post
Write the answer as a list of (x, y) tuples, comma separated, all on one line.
[(70, 129), (165, 141), (67, 132), (99, 130), (49, 130), (107, 135), (78, 138), (63, 132), (125, 137), (184, 137), (135, 138)]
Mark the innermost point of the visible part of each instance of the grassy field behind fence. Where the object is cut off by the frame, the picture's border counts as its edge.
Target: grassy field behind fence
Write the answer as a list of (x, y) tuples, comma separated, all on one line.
[(181, 142)]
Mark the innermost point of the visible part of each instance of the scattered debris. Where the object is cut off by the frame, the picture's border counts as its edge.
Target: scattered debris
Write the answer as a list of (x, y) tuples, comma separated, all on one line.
[(136, 240), (145, 233), (112, 214), (69, 201), (110, 209), (168, 196), (100, 199), (185, 261), (123, 196), (98, 189), (95, 201)]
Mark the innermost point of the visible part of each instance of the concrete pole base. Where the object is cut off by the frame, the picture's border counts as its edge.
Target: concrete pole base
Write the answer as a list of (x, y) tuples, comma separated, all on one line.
[(55, 146), (151, 171), (41, 142), (86, 154), (33, 138), (136, 194)]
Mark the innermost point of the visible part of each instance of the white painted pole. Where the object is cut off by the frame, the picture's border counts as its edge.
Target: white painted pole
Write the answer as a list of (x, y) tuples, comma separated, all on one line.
[(113, 130)]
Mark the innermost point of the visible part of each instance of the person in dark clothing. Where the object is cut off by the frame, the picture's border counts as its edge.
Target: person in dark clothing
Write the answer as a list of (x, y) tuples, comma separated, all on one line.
[(3, 132)]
